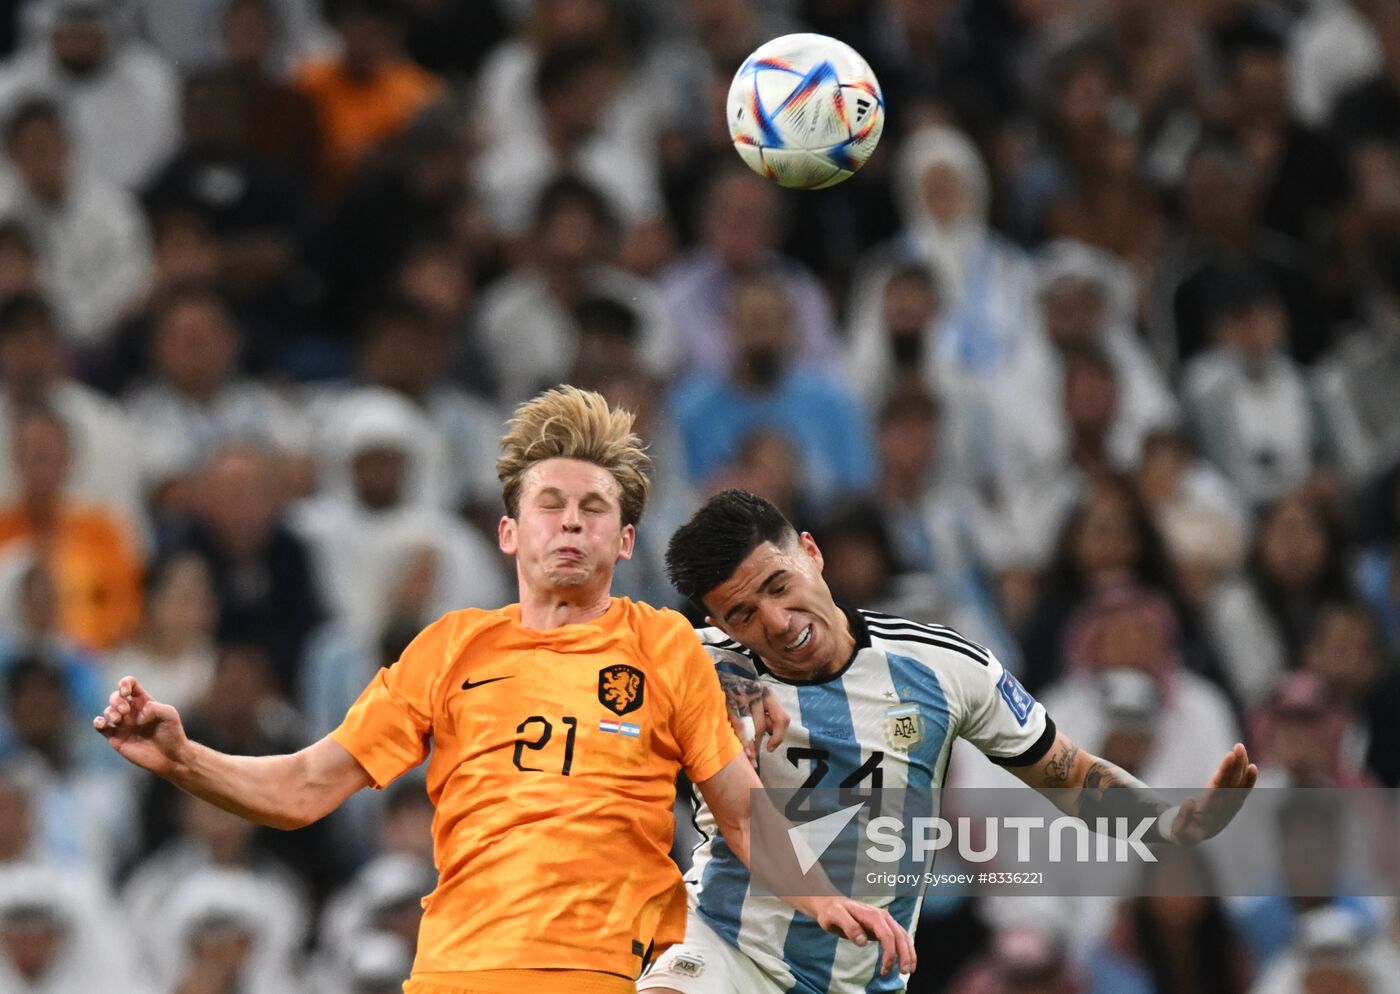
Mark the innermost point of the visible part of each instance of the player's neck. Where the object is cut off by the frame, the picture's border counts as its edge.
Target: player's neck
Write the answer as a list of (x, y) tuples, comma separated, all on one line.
[(542, 610)]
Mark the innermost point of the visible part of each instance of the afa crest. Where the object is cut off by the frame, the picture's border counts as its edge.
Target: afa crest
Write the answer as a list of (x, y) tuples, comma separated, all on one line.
[(621, 688), (904, 727)]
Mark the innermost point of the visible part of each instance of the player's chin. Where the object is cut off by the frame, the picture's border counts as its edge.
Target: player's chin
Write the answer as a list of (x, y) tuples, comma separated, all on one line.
[(571, 574)]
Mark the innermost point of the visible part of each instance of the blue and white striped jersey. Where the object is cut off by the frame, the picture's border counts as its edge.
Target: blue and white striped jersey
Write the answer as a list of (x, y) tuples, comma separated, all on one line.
[(886, 720)]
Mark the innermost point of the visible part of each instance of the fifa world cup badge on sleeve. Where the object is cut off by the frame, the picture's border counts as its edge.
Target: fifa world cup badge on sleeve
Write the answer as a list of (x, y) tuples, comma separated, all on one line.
[(1017, 698)]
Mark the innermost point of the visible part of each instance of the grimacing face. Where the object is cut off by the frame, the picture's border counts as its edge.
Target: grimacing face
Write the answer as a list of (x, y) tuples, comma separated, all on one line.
[(569, 531), (777, 603)]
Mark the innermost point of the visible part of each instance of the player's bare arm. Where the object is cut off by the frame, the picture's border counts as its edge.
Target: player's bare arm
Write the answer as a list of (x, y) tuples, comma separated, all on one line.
[(288, 791), (754, 712), (1088, 780), (728, 793)]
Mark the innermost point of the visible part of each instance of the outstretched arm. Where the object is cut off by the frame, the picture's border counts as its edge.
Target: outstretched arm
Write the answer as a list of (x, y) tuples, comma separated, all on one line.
[(287, 791), (1089, 779)]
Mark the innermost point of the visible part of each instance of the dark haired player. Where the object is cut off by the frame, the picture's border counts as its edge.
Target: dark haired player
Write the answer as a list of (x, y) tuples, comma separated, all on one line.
[(874, 702)]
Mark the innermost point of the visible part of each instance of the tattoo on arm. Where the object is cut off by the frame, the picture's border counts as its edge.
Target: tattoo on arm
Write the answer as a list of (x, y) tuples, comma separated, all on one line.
[(740, 694), (1060, 765), (1131, 802)]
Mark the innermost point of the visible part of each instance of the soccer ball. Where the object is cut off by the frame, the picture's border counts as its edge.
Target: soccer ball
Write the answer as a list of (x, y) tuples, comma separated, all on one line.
[(805, 111)]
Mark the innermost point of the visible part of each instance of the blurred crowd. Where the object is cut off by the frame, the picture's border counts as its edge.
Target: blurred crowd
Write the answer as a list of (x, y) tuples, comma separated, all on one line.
[(1097, 360)]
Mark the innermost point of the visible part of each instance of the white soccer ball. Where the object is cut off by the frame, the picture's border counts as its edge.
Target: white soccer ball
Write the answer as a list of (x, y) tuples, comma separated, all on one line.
[(805, 111)]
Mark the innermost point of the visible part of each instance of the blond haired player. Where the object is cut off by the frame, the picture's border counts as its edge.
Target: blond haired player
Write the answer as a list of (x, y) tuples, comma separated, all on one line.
[(556, 728)]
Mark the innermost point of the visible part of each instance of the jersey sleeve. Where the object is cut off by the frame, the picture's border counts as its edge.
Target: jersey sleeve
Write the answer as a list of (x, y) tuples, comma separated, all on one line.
[(706, 739), (389, 728), (1000, 717)]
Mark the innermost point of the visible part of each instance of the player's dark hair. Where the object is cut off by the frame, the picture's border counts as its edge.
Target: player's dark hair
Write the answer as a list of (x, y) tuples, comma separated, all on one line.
[(707, 549)]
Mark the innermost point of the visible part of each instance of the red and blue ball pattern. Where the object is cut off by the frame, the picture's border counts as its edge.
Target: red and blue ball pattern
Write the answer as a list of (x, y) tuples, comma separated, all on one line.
[(805, 111)]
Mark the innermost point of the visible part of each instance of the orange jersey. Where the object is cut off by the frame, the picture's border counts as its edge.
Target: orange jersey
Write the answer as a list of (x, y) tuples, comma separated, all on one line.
[(554, 759), (96, 570), (356, 114)]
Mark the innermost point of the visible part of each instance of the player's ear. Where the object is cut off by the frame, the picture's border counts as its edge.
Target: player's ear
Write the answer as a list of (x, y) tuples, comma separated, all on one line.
[(809, 545), (505, 535), (629, 542)]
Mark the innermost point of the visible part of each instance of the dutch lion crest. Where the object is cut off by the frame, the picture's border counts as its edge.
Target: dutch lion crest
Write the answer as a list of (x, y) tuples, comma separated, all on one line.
[(620, 688)]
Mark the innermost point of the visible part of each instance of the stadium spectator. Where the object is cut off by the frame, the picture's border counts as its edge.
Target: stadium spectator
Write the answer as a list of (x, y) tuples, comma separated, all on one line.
[(282, 127), (1302, 178), (369, 91), (1311, 882), (83, 808), (1259, 622), (436, 275), (257, 210), (1356, 382), (985, 282), (1299, 731), (1128, 628), (1335, 949), (89, 550), (385, 553), (1346, 653), (118, 95), (223, 932), (1086, 302), (263, 574), (403, 356), (768, 387), (1216, 233), (931, 516), (174, 648), (1107, 538), (1171, 939), (529, 319), (573, 86), (1252, 407), (208, 838), (188, 32), (414, 191), (1201, 518), (196, 403), (738, 239), (57, 935), (91, 238)]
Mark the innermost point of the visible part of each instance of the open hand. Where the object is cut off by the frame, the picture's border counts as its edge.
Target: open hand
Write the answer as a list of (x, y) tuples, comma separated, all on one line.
[(1206, 815)]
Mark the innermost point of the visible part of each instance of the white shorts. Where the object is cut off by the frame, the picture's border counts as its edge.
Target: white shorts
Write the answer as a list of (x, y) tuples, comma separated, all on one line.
[(706, 964)]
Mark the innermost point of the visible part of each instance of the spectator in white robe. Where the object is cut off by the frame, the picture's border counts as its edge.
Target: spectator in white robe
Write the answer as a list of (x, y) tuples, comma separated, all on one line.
[(90, 235), (120, 95), (58, 935), (383, 551)]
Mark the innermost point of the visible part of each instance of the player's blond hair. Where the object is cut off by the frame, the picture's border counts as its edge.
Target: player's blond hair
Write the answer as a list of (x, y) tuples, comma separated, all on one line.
[(568, 423)]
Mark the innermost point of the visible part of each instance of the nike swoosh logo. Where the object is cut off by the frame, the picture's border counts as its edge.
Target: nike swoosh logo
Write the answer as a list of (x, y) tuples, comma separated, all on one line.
[(468, 685)]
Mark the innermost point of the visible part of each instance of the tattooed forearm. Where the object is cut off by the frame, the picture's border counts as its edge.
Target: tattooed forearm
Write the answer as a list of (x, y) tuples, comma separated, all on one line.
[(1060, 765), (1114, 799), (740, 693)]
